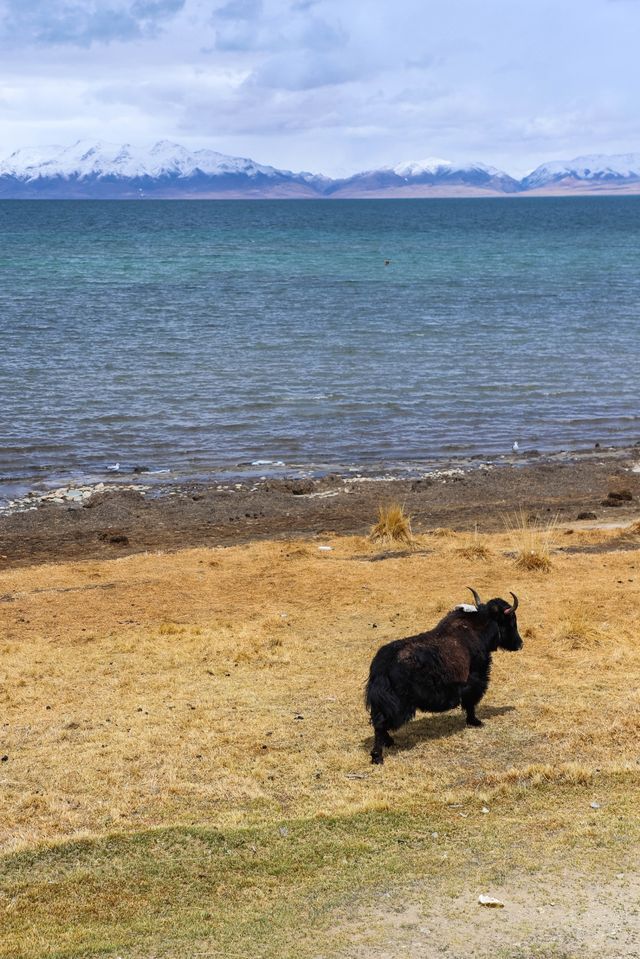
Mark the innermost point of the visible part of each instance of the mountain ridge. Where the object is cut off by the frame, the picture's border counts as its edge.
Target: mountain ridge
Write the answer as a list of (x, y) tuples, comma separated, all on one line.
[(97, 169)]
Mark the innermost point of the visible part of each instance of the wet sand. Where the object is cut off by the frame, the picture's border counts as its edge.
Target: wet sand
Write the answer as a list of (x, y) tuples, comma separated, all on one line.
[(121, 517)]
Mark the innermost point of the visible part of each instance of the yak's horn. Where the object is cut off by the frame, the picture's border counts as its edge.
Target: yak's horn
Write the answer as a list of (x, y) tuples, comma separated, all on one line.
[(477, 599), (515, 602)]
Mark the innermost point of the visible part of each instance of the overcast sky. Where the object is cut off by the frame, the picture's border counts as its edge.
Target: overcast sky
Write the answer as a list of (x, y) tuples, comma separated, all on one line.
[(330, 86)]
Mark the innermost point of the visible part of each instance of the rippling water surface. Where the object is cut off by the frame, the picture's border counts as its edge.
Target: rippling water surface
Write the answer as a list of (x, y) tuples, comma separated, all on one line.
[(198, 336)]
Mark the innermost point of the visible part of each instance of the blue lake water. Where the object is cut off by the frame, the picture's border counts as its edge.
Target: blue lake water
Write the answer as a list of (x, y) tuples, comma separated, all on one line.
[(197, 336)]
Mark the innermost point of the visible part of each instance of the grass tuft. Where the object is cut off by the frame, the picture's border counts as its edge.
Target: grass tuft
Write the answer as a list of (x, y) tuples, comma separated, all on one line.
[(171, 629), (475, 548), (393, 526), (531, 540), (579, 631)]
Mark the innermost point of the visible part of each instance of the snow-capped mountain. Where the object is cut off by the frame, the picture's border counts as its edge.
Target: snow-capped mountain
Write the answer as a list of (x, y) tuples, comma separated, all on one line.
[(166, 169), (612, 170), (425, 177)]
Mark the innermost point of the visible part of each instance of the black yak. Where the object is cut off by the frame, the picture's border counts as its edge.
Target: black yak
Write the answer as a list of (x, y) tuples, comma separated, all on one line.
[(446, 667)]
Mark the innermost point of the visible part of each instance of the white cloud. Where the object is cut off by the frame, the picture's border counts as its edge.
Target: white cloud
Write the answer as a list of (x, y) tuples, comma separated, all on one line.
[(327, 85), (83, 22)]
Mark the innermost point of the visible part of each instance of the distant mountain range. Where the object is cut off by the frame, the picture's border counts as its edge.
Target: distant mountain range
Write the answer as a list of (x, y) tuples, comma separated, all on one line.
[(96, 170)]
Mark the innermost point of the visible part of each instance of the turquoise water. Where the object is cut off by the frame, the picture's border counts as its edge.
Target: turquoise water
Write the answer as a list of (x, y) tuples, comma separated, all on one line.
[(197, 336)]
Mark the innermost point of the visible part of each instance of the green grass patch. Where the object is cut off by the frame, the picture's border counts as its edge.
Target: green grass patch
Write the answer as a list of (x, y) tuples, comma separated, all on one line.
[(280, 890)]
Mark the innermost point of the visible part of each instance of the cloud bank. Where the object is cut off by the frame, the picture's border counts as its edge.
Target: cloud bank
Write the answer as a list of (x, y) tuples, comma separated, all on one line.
[(321, 84)]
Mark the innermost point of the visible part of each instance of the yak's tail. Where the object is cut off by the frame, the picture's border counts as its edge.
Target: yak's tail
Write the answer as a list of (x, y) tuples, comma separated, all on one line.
[(380, 698)]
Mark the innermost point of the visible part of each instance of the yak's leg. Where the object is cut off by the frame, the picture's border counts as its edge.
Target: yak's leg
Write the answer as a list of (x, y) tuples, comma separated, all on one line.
[(382, 739), (471, 696)]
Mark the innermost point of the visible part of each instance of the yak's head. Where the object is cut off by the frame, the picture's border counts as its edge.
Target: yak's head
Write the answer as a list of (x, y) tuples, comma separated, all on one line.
[(504, 615)]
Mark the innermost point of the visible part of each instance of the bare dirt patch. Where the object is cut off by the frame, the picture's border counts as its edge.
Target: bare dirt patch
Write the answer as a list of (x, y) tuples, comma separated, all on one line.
[(568, 917)]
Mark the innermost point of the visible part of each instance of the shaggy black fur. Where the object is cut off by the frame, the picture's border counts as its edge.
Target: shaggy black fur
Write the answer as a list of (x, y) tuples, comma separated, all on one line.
[(438, 670)]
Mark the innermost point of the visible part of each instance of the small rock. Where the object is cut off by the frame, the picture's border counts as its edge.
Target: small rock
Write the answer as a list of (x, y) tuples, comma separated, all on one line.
[(421, 484), (4, 759), (297, 487), (587, 514), (620, 496), (490, 902), (595, 805), (484, 810), (302, 487), (119, 539), (283, 831)]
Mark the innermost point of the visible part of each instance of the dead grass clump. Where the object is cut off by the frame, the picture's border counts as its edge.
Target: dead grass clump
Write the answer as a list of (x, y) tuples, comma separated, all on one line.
[(533, 560), (260, 643), (532, 541), (296, 552), (539, 774), (393, 526), (579, 631), (442, 531), (475, 548), (171, 629), (635, 527)]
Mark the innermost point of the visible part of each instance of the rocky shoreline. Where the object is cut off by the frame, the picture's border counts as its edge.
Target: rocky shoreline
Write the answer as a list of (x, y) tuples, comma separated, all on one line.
[(114, 518)]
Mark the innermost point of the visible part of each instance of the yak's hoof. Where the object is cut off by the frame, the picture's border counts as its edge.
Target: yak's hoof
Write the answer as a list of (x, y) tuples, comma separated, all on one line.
[(376, 759), (474, 721)]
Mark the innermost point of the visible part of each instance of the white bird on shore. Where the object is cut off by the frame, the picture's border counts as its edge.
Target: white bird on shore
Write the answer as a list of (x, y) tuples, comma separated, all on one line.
[(515, 447), (113, 469)]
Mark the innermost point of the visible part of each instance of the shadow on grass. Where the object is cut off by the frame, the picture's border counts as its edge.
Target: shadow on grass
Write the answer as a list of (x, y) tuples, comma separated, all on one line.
[(436, 726)]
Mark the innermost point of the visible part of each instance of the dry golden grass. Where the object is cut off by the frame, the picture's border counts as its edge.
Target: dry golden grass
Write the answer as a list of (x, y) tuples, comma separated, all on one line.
[(475, 547), (583, 629), (221, 689), (153, 688), (532, 541), (393, 526)]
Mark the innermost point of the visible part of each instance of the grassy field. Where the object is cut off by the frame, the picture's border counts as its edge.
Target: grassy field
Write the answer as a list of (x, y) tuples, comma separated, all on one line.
[(185, 756)]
